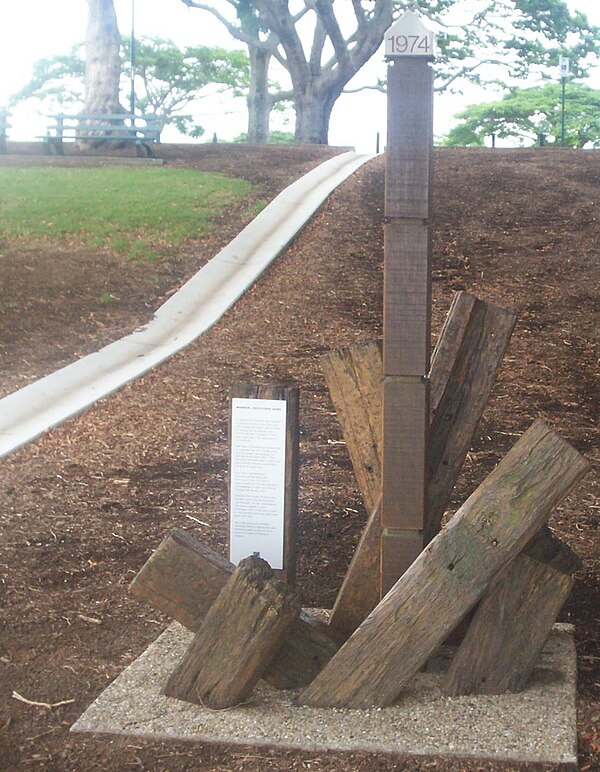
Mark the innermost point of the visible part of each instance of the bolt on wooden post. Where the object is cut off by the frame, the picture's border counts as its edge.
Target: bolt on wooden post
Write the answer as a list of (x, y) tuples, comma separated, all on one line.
[(409, 48)]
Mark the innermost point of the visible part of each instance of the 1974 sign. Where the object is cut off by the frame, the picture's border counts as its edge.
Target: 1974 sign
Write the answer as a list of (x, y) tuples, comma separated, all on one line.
[(409, 37), (409, 44)]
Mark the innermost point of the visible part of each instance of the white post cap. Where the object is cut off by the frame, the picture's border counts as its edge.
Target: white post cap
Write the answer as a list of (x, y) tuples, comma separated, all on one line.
[(409, 37)]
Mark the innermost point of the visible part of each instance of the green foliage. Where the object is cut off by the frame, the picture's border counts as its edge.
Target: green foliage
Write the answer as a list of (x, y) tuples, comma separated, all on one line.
[(275, 138), (167, 79), (58, 81), (524, 114), (134, 212), (506, 39)]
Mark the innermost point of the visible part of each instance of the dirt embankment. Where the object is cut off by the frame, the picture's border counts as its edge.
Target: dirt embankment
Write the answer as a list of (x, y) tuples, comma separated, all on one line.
[(84, 506)]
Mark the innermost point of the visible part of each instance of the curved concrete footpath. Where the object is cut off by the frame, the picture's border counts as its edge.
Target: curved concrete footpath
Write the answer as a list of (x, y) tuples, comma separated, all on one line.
[(200, 303)]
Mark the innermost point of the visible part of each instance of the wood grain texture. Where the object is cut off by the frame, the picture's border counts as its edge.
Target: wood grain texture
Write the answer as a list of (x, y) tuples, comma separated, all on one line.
[(409, 152), (354, 377), (355, 372), (407, 298), (237, 639), (545, 548), (470, 370), (360, 590), (290, 393), (404, 463), (451, 574), (509, 629), (399, 549), (449, 343), (184, 577)]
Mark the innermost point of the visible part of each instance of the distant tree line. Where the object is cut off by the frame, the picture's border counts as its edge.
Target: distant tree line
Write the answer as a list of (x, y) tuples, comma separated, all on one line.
[(321, 45), (533, 115)]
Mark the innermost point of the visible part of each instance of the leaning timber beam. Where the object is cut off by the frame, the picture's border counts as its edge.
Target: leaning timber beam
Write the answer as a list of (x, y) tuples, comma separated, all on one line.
[(513, 621), (463, 370), (183, 578), (240, 634), (354, 376), (451, 574)]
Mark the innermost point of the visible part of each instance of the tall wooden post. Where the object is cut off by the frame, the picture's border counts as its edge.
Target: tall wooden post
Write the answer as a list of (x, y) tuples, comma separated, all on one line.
[(407, 295)]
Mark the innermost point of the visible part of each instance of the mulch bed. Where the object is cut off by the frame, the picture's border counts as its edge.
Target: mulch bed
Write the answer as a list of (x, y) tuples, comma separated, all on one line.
[(85, 505)]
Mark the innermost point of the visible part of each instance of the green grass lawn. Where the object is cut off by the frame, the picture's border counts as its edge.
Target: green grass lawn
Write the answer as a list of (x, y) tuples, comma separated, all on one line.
[(132, 212)]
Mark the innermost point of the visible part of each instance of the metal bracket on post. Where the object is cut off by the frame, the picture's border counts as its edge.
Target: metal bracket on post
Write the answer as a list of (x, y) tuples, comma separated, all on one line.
[(409, 47)]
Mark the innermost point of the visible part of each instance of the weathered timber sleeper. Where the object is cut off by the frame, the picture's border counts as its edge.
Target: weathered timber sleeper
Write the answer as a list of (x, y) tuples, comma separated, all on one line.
[(451, 574), (237, 639), (463, 370), (513, 620), (183, 577)]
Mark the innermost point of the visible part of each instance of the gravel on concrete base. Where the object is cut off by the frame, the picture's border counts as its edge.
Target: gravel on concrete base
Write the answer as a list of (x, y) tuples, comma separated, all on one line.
[(537, 725)]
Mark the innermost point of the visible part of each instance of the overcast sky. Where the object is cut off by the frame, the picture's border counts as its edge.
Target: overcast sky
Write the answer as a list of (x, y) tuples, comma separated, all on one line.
[(38, 28)]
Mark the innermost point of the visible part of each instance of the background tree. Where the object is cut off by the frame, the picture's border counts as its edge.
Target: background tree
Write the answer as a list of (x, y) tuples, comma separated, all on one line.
[(525, 114), (168, 79), (478, 41), (102, 62), (496, 40), (319, 73), (260, 101), (57, 81)]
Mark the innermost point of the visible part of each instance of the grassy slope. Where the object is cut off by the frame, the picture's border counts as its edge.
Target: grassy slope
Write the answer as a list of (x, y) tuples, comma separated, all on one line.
[(130, 211)]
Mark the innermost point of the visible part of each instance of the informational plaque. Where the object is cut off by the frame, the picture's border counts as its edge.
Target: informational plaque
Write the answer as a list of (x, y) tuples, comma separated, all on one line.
[(257, 492)]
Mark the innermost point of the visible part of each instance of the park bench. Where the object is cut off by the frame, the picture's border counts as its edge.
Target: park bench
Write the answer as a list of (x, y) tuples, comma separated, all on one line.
[(4, 125), (123, 128)]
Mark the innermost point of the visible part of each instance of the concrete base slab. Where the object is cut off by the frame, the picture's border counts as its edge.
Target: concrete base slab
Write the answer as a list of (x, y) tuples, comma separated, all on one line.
[(537, 725)]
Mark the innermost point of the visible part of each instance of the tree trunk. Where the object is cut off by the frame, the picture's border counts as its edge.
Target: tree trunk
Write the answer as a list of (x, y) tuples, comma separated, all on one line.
[(313, 112), (259, 100), (102, 63)]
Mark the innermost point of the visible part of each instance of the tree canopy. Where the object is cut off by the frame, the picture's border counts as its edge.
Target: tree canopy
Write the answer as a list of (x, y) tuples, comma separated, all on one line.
[(318, 70), (167, 78), (323, 44), (525, 114)]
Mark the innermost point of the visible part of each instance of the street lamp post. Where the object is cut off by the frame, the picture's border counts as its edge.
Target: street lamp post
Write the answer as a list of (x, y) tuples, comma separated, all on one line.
[(132, 52), (563, 64)]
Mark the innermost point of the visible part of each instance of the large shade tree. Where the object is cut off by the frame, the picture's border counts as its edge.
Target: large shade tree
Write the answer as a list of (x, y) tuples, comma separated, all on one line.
[(319, 71), (168, 79), (323, 43), (102, 61)]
